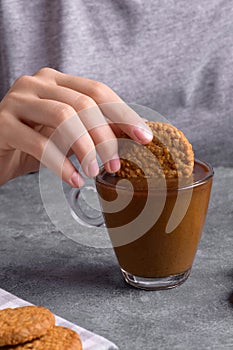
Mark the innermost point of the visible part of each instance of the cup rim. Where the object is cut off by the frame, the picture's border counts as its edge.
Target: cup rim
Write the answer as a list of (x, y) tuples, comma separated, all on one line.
[(197, 183)]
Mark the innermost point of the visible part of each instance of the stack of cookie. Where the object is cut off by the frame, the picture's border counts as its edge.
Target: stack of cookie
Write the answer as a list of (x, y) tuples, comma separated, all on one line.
[(33, 327)]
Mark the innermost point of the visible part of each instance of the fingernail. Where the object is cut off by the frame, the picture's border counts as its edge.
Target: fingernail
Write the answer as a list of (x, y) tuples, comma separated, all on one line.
[(143, 133), (76, 180), (93, 168), (114, 164)]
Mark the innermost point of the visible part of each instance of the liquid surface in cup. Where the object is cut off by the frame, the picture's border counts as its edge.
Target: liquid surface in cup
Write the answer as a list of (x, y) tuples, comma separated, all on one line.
[(157, 253)]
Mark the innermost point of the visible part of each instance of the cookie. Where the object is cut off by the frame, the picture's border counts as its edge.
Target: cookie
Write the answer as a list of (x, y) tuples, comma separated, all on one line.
[(169, 154), (58, 338), (24, 324)]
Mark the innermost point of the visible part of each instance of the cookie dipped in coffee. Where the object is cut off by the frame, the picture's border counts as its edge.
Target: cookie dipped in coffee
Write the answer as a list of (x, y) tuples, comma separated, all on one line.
[(161, 240)]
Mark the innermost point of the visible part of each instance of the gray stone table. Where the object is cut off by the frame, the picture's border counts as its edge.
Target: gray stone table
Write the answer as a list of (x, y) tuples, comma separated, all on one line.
[(84, 285)]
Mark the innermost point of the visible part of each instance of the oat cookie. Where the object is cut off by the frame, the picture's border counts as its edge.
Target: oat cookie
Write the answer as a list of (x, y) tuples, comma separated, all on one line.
[(58, 338), (23, 324), (169, 154)]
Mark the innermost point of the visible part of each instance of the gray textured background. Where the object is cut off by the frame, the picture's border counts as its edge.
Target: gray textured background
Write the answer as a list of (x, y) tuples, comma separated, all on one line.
[(175, 57), (84, 284)]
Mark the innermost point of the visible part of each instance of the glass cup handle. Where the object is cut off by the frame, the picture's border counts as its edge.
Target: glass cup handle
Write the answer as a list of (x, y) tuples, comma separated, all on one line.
[(85, 207)]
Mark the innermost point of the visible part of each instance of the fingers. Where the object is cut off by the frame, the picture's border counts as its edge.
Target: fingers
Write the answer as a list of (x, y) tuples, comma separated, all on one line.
[(108, 101), (77, 109), (128, 121), (62, 118), (45, 151), (93, 120), (83, 132), (110, 104)]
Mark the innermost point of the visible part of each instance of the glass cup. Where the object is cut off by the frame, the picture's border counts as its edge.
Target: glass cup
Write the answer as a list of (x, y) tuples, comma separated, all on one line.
[(154, 228)]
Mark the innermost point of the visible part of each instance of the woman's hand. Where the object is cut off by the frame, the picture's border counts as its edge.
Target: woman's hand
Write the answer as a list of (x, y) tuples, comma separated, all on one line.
[(44, 116)]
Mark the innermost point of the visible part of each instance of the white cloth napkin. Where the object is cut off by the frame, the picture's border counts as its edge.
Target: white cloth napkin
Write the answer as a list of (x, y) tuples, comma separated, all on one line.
[(90, 341)]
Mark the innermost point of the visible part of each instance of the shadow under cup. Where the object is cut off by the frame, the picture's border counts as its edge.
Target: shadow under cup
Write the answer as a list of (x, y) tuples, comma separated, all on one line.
[(155, 231)]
